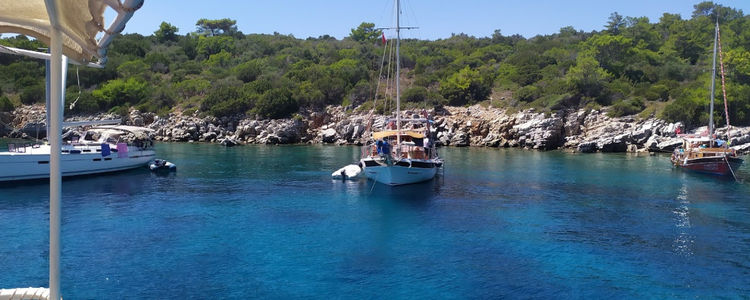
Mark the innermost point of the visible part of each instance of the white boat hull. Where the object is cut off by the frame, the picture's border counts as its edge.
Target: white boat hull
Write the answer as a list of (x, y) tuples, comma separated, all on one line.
[(34, 164), (399, 175)]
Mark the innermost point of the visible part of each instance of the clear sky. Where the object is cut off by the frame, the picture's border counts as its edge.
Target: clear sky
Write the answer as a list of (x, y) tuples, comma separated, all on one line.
[(436, 19)]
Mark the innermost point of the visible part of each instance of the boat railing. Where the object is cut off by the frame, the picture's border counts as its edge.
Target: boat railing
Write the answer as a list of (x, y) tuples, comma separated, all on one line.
[(413, 152), (19, 148), (406, 150), (708, 152)]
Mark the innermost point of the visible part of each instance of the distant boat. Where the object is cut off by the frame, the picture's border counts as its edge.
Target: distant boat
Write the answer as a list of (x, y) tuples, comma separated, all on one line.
[(704, 153), (108, 152), (408, 161), (699, 154), (396, 156)]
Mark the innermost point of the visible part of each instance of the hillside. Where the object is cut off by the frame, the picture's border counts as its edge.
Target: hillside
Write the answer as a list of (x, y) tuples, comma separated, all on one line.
[(635, 66)]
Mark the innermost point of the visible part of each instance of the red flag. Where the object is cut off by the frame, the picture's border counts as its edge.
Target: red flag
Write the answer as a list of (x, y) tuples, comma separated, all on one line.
[(384, 38)]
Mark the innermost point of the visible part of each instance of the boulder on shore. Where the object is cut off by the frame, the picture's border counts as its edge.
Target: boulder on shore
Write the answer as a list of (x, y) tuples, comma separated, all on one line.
[(584, 130)]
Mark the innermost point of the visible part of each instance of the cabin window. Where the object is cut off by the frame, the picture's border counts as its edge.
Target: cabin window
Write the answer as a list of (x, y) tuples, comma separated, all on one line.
[(371, 163)]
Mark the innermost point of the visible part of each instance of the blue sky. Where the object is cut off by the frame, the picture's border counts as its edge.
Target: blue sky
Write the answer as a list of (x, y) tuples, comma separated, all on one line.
[(435, 18)]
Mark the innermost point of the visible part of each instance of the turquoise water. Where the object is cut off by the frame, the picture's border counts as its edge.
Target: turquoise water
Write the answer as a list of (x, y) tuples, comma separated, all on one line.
[(267, 221)]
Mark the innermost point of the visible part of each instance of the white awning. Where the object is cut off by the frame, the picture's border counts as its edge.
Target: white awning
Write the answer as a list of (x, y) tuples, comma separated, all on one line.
[(80, 22)]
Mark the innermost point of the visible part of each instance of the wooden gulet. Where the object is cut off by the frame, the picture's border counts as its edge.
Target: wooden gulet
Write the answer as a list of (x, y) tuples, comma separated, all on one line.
[(703, 153)]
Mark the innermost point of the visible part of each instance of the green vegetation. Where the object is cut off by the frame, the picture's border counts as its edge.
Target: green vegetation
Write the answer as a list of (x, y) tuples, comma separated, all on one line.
[(633, 66), (5, 104)]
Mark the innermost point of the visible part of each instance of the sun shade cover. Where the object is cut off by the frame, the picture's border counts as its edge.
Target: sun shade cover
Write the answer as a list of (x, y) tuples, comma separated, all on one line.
[(383, 134), (80, 21)]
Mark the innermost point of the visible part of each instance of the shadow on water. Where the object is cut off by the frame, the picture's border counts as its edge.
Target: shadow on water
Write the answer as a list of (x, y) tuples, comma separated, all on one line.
[(418, 195), (123, 184), (741, 175)]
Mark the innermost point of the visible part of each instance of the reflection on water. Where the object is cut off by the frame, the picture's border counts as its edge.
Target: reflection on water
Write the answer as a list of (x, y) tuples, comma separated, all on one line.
[(683, 243), (415, 195), (411, 195)]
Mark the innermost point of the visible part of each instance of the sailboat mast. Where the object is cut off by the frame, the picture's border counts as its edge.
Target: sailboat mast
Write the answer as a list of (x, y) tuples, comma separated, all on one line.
[(398, 71), (713, 85), (723, 83)]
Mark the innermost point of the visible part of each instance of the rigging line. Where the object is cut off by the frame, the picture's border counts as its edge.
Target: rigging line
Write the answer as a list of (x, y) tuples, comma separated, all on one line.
[(730, 167), (723, 86), (388, 90), (72, 105), (410, 15), (387, 67), (374, 181), (377, 88)]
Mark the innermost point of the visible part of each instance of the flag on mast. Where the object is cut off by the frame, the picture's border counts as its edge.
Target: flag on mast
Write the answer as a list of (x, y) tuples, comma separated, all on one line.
[(383, 38)]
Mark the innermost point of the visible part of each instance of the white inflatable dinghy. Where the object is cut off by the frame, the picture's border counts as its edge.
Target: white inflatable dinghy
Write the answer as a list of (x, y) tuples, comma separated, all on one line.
[(347, 172)]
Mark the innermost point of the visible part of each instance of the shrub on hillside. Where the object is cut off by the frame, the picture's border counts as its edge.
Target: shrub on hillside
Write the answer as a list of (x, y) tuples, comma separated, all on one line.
[(6, 105), (276, 104), (627, 107), (415, 94), (32, 94)]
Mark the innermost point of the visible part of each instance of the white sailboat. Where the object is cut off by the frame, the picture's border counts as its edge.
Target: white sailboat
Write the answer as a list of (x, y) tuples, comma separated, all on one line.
[(74, 29), (397, 157), (116, 148)]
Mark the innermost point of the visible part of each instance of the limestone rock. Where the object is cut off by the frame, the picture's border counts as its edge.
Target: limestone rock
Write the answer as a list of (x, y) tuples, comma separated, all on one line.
[(460, 139), (329, 135)]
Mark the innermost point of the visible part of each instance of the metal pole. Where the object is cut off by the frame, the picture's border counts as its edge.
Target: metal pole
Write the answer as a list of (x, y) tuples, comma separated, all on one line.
[(713, 85), (47, 95), (398, 77), (55, 174), (55, 139)]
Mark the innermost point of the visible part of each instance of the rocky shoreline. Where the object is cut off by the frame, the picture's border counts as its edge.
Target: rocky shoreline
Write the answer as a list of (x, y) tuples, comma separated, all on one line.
[(475, 126)]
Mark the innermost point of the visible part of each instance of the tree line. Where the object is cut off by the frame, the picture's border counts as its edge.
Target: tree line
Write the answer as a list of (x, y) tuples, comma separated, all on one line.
[(632, 66)]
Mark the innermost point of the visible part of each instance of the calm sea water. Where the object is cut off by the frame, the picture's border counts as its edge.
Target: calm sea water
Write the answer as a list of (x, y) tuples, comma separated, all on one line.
[(267, 221)]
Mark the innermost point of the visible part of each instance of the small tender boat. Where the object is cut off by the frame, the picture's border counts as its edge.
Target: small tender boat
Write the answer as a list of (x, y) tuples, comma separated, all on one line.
[(162, 165), (347, 172)]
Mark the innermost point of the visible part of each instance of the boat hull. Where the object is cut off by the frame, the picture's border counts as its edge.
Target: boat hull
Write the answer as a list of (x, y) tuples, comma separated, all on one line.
[(35, 164), (711, 165), (399, 175)]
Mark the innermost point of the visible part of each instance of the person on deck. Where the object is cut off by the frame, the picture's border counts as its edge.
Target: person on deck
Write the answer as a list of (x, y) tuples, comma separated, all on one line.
[(386, 148)]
